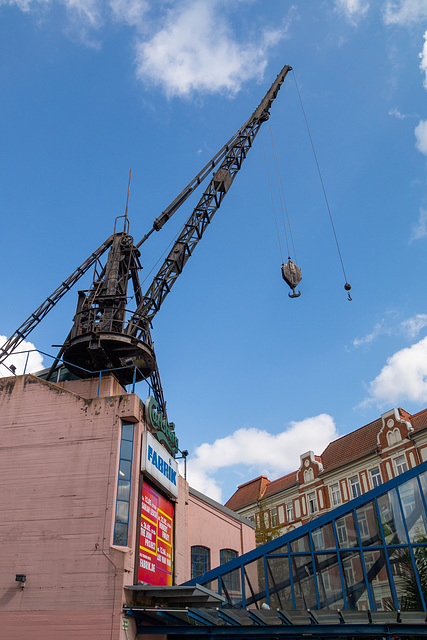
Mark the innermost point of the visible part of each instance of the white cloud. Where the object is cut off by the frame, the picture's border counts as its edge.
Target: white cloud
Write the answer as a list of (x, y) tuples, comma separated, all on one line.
[(404, 12), (379, 329), (420, 229), (423, 63), (130, 12), (262, 452), (19, 359), (404, 377), (196, 50), (191, 46), (421, 136), (352, 9), (24, 5), (414, 325)]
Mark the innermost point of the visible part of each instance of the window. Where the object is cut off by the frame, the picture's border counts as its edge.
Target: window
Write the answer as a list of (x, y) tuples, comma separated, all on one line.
[(393, 437), (335, 494), (121, 524), (341, 532), (266, 520), (317, 537), (363, 525), (400, 464), (308, 475), (289, 512), (273, 517), (230, 580), (355, 486), (225, 555), (200, 561), (376, 479), (312, 502)]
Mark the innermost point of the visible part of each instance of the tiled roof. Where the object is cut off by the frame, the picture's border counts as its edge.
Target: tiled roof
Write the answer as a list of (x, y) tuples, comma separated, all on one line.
[(281, 484), (248, 493), (419, 420), (352, 446), (344, 450)]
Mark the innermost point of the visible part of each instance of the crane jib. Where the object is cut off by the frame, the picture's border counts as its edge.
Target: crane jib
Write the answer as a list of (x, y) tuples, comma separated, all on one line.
[(102, 337)]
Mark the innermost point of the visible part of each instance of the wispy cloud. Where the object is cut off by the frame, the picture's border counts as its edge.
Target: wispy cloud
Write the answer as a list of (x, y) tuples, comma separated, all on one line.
[(414, 325), (404, 377), (401, 116), (410, 328), (19, 359), (378, 330), (419, 230), (423, 57), (404, 12), (260, 452), (353, 10)]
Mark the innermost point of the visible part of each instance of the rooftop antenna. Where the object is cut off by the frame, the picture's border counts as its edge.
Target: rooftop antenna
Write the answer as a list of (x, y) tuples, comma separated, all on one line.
[(127, 202)]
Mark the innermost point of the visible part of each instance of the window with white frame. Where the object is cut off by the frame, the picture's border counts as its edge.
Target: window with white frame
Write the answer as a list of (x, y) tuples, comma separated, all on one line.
[(355, 486), (376, 479), (400, 464), (273, 517), (341, 531), (312, 502), (289, 512), (335, 494), (317, 537)]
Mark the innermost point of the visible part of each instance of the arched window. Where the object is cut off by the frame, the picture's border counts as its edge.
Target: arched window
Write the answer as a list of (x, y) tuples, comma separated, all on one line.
[(225, 555), (308, 475), (231, 580), (393, 437), (200, 561)]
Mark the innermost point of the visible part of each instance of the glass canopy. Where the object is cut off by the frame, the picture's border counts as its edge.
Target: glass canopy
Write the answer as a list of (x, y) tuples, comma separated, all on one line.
[(369, 554)]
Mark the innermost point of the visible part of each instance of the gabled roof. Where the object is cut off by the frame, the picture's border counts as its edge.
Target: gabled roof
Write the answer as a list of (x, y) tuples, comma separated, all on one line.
[(419, 420), (352, 446), (281, 484), (248, 493), (342, 451)]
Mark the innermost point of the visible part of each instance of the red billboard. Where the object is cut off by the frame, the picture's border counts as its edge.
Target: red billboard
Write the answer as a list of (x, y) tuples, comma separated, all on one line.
[(155, 542)]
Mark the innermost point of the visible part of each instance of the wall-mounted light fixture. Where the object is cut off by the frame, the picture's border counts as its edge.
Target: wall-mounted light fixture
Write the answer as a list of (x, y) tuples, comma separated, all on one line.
[(22, 578), (183, 456)]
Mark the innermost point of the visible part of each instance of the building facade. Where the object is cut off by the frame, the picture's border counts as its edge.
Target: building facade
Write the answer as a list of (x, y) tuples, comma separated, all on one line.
[(348, 467), (93, 504)]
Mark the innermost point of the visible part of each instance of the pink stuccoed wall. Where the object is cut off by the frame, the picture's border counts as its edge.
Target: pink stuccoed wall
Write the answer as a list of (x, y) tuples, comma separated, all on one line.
[(58, 456), (59, 453)]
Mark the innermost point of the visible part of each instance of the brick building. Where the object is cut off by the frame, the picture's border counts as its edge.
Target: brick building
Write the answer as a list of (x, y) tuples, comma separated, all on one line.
[(347, 468)]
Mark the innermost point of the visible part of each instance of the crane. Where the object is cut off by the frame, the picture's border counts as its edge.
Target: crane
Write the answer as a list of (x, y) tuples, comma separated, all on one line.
[(104, 336)]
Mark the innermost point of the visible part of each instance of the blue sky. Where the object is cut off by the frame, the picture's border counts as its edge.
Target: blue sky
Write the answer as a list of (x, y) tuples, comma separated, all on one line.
[(92, 88)]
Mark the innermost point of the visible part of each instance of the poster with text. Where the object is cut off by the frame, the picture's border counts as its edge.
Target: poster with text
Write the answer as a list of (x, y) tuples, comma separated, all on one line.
[(155, 542)]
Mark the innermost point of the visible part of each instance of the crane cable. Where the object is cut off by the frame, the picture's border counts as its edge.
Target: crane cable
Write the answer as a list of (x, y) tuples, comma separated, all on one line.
[(347, 286), (282, 196), (273, 204)]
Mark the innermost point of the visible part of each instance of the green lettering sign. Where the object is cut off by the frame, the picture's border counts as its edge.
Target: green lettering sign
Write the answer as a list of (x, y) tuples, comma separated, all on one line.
[(163, 431)]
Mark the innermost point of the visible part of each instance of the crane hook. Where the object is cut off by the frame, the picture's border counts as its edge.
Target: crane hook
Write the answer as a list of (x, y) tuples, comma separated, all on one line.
[(347, 287), (291, 274)]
